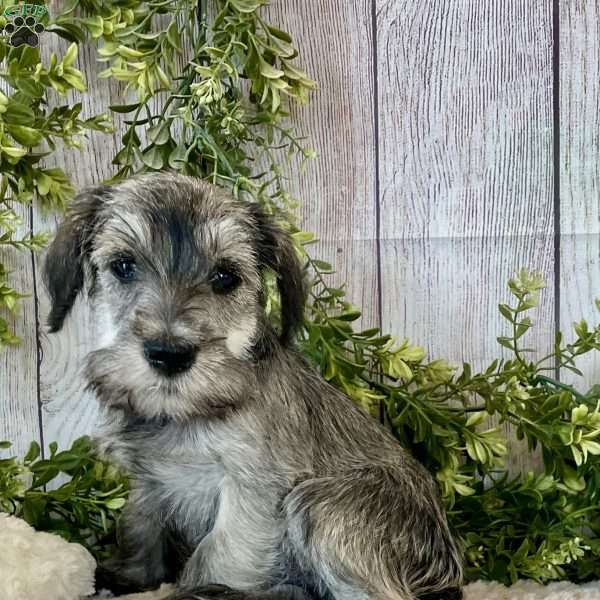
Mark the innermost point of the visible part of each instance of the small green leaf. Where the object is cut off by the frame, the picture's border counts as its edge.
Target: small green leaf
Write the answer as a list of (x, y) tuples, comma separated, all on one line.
[(95, 25), (70, 56), (572, 480), (30, 88), (68, 31), (18, 113), (349, 315), (152, 158), (33, 509), (590, 446), (269, 71), (282, 35), (463, 490), (246, 6), (506, 342), (521, 552), (159, 134), (173, 36), (25, 135), (178, 157), (322, 265), (506, 312), (115, 503), (12, 151), (124, 108), (476, 418), (33, 452)]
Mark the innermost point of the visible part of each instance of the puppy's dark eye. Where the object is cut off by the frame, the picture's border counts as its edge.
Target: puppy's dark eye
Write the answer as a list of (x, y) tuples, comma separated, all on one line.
[(224, 281), (123, 268)]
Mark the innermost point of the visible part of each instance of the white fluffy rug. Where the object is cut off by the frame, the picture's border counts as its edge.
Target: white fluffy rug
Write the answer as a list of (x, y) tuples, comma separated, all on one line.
[(528, 590), (35, 565), (41, 566), (481, 590)]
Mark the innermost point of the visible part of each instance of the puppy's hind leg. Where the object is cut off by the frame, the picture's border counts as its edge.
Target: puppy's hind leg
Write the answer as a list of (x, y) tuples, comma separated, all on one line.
[(375, 532)]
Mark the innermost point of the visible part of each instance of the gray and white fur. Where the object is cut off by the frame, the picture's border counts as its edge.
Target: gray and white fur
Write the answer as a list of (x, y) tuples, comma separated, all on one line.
[(252, 477)]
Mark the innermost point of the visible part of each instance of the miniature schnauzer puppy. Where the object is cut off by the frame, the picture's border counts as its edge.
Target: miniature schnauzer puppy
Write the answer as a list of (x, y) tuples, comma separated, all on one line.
[(251, 476)]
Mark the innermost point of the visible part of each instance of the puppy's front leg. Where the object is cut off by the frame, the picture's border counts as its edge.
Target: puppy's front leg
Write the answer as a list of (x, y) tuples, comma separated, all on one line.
[(140, 562), (242, 549)]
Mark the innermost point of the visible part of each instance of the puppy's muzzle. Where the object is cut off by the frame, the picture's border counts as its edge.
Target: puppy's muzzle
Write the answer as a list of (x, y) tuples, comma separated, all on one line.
[(169, 359)]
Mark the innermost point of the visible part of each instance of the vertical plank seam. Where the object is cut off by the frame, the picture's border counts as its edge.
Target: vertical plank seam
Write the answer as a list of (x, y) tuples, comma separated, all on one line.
[(38, 345), (556, 161), (376, 157), (382, 407)]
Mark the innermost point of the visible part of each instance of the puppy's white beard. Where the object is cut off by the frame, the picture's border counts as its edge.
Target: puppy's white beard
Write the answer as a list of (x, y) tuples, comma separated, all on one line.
[(239, 339), (148, 395)]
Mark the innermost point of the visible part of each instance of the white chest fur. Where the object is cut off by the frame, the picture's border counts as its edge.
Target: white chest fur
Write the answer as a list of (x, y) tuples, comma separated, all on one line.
[(188, 494), (179, 475)]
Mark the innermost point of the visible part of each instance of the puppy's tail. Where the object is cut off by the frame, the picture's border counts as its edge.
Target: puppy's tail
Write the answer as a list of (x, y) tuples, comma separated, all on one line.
[(222, 592)]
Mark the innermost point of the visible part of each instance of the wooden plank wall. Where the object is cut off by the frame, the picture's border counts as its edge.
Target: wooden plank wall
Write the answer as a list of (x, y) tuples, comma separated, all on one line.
[(465, 169), (442, 129), (578, 256)]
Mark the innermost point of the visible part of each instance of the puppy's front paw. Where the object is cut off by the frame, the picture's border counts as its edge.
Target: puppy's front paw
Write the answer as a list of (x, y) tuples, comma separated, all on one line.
[(163, 593), (109, 577), (209, 592)]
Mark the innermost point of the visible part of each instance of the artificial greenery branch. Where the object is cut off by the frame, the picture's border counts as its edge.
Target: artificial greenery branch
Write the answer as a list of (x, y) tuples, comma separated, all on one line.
[(223, 116), (82, 510), (27, 124)]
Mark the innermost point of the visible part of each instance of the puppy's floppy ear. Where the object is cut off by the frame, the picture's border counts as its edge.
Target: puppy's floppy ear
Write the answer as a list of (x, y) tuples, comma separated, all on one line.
[(63, 268), (276, 251)]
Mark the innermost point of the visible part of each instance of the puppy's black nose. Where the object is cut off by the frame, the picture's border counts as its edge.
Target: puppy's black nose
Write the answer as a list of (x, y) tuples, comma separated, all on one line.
[(169, 359)]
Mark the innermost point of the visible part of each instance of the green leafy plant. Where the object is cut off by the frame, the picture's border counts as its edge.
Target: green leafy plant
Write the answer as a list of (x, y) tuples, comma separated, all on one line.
[(542, 527), (82, 509), (223, 116), (26, 122), (222, 131)]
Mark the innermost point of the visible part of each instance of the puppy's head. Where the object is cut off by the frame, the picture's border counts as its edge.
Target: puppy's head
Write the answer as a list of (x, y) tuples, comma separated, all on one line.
[(174, 268)]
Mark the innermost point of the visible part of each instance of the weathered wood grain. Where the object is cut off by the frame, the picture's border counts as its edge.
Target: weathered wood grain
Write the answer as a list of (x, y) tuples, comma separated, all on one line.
[(464, 140), (337, 190), (19, 410), (19, 418), (67, 410), (465, 130), (580, 173)]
